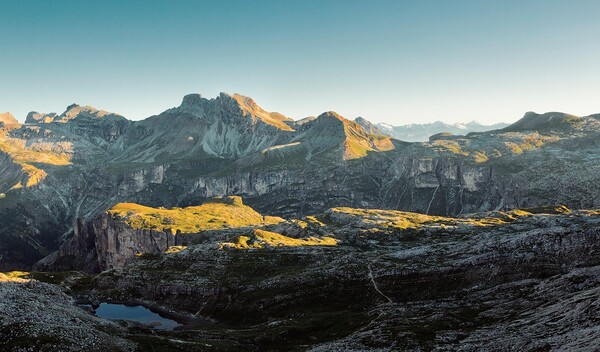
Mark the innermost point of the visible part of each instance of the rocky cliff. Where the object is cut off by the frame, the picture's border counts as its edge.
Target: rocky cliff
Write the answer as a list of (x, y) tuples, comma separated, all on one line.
[(105, 244), (126, 231)]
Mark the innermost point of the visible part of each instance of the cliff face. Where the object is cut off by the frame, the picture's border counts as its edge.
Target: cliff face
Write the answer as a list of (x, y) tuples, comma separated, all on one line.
[(105, 243), (428, 185), (115, 238)]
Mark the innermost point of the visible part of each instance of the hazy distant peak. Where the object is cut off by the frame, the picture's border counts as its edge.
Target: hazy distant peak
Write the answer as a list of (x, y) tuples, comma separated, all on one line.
[(421, 132)]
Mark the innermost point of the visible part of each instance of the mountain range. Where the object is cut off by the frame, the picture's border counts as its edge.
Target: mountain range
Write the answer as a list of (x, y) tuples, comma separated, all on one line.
[(254, 231), (421, 132), (57, 168)]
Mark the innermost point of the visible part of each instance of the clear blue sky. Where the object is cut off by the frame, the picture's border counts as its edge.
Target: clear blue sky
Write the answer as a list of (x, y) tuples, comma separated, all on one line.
[(389, 61)]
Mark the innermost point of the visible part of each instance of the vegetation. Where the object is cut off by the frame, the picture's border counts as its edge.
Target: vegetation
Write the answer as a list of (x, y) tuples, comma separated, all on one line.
[(358, 145), (175, 249), (215, 214), (400, 220), (26, 157), (449, 146), (14, 276), (22, 154), (262, 238), (521, 143), (480, 157)]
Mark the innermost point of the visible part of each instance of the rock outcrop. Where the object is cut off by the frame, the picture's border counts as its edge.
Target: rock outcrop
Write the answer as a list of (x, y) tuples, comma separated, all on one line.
[(115, 238), (35, 117), (105, 243)]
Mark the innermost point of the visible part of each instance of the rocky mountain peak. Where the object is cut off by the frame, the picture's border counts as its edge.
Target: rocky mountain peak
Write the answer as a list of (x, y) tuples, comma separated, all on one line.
[(251, 109), (232, 106), (247, 103), (7, 119), (331, 117), (35, 117), (331, 131), (75, 111), (193, 99), (360, 120), (336, 125), (305, 120)]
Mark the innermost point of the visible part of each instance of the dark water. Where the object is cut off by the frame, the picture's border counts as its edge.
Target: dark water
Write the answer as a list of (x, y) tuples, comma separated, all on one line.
[(139, 314)]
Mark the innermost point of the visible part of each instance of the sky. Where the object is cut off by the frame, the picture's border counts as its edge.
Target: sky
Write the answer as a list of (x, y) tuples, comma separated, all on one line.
[(393, 61)]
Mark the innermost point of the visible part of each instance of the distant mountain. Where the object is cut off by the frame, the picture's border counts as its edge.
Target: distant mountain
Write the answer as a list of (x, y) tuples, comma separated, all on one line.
[(422, 132), (369, 127), (7, 119)]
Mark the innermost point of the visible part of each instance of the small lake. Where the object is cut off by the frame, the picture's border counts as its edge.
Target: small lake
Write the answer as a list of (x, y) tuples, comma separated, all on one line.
[(138, 314)]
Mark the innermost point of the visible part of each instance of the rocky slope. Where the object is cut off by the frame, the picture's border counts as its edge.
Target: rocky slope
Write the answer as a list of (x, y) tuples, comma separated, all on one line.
[(36, 316), (377, 280), (57, 168), (369, 127)]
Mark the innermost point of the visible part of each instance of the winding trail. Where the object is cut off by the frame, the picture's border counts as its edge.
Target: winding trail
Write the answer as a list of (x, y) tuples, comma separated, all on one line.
[(372, 278), (432, 198)]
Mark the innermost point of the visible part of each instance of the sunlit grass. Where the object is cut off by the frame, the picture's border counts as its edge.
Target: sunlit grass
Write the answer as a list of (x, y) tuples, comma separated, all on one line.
[(175, 249), (14, 276), (262, 239), (215, 214), (399, 220), (27, 157)]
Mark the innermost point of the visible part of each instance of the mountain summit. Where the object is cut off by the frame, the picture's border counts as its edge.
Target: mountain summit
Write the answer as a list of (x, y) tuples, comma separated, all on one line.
[(73, 111), (234, 104), (7, 119), (330, 131)]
